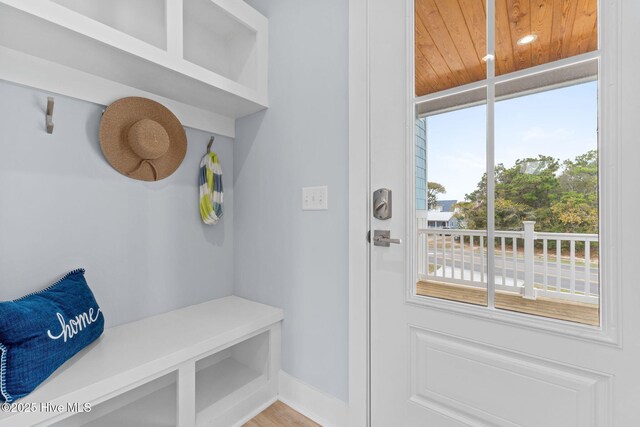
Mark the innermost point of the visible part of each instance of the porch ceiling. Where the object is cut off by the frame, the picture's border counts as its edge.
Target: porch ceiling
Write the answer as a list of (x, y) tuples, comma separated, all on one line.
[(450, 37)]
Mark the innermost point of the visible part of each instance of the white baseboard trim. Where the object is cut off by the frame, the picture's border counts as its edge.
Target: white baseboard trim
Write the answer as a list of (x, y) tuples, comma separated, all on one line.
[(322, 408)]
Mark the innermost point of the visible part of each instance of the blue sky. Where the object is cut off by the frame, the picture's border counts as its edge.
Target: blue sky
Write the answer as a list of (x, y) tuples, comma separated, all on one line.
[(560, 123)]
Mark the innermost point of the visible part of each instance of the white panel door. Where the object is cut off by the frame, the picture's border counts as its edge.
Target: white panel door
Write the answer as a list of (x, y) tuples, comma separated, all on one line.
[(442, 364)]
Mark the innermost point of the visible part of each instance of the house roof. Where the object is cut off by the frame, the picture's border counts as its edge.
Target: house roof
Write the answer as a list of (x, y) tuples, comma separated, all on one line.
[(439, 216), (447, 205)]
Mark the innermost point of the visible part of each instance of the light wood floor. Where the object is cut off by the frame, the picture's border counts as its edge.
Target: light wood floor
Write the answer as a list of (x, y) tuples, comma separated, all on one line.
[(280, 415), (547, 307)]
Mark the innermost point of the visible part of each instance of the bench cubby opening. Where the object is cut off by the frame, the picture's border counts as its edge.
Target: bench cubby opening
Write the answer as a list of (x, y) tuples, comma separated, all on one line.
[(230, 375), (151, 404)]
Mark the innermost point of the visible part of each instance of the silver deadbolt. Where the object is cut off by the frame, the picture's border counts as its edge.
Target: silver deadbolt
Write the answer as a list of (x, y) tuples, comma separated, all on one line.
[(382, 203), (383, 238)]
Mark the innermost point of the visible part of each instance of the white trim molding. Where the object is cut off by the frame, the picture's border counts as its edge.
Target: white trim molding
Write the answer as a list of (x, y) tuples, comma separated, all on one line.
[(359, 213), (312, 403)]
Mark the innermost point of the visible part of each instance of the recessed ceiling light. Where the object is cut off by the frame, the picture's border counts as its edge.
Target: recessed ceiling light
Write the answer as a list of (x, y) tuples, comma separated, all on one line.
[(487, 57), (530, 38)]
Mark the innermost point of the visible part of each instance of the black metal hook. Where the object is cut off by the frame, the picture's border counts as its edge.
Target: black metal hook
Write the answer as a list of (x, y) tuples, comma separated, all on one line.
[(210, 144)]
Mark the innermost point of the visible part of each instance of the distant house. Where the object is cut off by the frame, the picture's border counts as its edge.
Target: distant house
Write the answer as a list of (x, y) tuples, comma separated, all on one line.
[(443, 216), (445, 205)]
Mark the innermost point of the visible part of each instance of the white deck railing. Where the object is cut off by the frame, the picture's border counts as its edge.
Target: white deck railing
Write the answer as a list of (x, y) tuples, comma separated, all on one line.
[(460, 256)]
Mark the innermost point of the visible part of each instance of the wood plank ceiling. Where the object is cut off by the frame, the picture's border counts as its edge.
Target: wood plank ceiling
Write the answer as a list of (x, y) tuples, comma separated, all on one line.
[(450, 37)]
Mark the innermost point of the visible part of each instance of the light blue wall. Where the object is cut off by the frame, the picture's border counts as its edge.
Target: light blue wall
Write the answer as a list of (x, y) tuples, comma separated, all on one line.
[(143, 245), (287, 257), (62, 206)]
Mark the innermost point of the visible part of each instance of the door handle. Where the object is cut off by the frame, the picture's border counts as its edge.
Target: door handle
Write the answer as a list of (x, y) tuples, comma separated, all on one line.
[(383, 238)]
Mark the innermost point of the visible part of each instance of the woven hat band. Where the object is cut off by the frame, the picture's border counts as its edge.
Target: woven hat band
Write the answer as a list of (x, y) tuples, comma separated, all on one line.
[(148, 139)]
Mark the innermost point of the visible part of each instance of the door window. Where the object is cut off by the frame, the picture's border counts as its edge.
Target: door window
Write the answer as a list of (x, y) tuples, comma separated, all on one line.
[(511, 184)]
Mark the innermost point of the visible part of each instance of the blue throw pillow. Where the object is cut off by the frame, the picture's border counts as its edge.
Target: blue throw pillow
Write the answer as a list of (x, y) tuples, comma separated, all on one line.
[(41, 331)]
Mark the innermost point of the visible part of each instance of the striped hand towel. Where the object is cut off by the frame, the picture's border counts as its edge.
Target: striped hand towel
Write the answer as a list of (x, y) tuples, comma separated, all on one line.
[(210, 189)]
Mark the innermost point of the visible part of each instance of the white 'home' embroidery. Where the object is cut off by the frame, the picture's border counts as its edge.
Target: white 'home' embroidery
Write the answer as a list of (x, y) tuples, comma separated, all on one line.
[(75, 325)]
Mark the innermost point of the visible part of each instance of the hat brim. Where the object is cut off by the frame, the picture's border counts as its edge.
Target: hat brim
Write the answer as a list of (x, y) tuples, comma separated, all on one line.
[(114, 127)]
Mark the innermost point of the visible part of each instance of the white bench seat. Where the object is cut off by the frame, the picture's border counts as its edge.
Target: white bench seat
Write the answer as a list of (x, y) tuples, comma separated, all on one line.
[(134, 354)]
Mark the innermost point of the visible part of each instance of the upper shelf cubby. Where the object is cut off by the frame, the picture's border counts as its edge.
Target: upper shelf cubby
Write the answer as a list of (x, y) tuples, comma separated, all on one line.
[(217, 41), (142, 19), (204, 59)]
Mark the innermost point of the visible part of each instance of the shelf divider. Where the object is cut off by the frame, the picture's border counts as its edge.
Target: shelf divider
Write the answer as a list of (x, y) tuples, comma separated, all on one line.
[(175, 28), (187, 394)]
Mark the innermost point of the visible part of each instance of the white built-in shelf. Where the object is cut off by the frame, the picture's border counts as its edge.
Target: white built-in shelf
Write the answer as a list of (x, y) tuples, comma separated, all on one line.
[(151, 404), (226, 376), (157, 409), (210, 364), (141, 19), (221, 381), (204, 59)]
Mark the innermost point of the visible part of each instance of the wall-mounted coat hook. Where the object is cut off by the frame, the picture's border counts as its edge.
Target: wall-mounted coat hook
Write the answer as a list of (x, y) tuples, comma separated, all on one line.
[(210, 144), (49, 114)]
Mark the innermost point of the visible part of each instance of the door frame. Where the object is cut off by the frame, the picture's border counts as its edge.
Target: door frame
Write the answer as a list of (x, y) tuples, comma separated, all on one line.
[(359, 214), (610, 16)]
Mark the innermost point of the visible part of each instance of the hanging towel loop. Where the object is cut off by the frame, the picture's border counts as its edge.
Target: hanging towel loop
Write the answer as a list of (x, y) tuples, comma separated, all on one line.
[(210, 143)]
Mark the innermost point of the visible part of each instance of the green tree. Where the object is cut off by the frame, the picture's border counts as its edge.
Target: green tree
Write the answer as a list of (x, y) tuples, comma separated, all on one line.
[(472, 215), (560, 197), (581, 174), (472, 212), (523, 192), (510, 214), (531, 182), (577, 210), (574, 213), (434, 189)]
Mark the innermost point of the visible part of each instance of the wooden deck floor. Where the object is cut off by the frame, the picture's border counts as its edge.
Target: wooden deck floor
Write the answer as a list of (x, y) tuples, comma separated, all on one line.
[(280, 415), (558, 309)]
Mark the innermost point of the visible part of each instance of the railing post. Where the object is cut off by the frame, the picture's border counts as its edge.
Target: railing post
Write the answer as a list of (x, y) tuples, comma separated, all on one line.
[(423, 255), (529, 260)]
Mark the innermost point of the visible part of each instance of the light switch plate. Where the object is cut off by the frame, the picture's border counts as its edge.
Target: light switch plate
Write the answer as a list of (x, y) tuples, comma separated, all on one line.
[(315, 198)]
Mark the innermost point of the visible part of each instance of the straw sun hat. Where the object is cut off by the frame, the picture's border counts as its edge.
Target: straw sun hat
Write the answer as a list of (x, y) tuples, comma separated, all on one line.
[(142, 139)]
